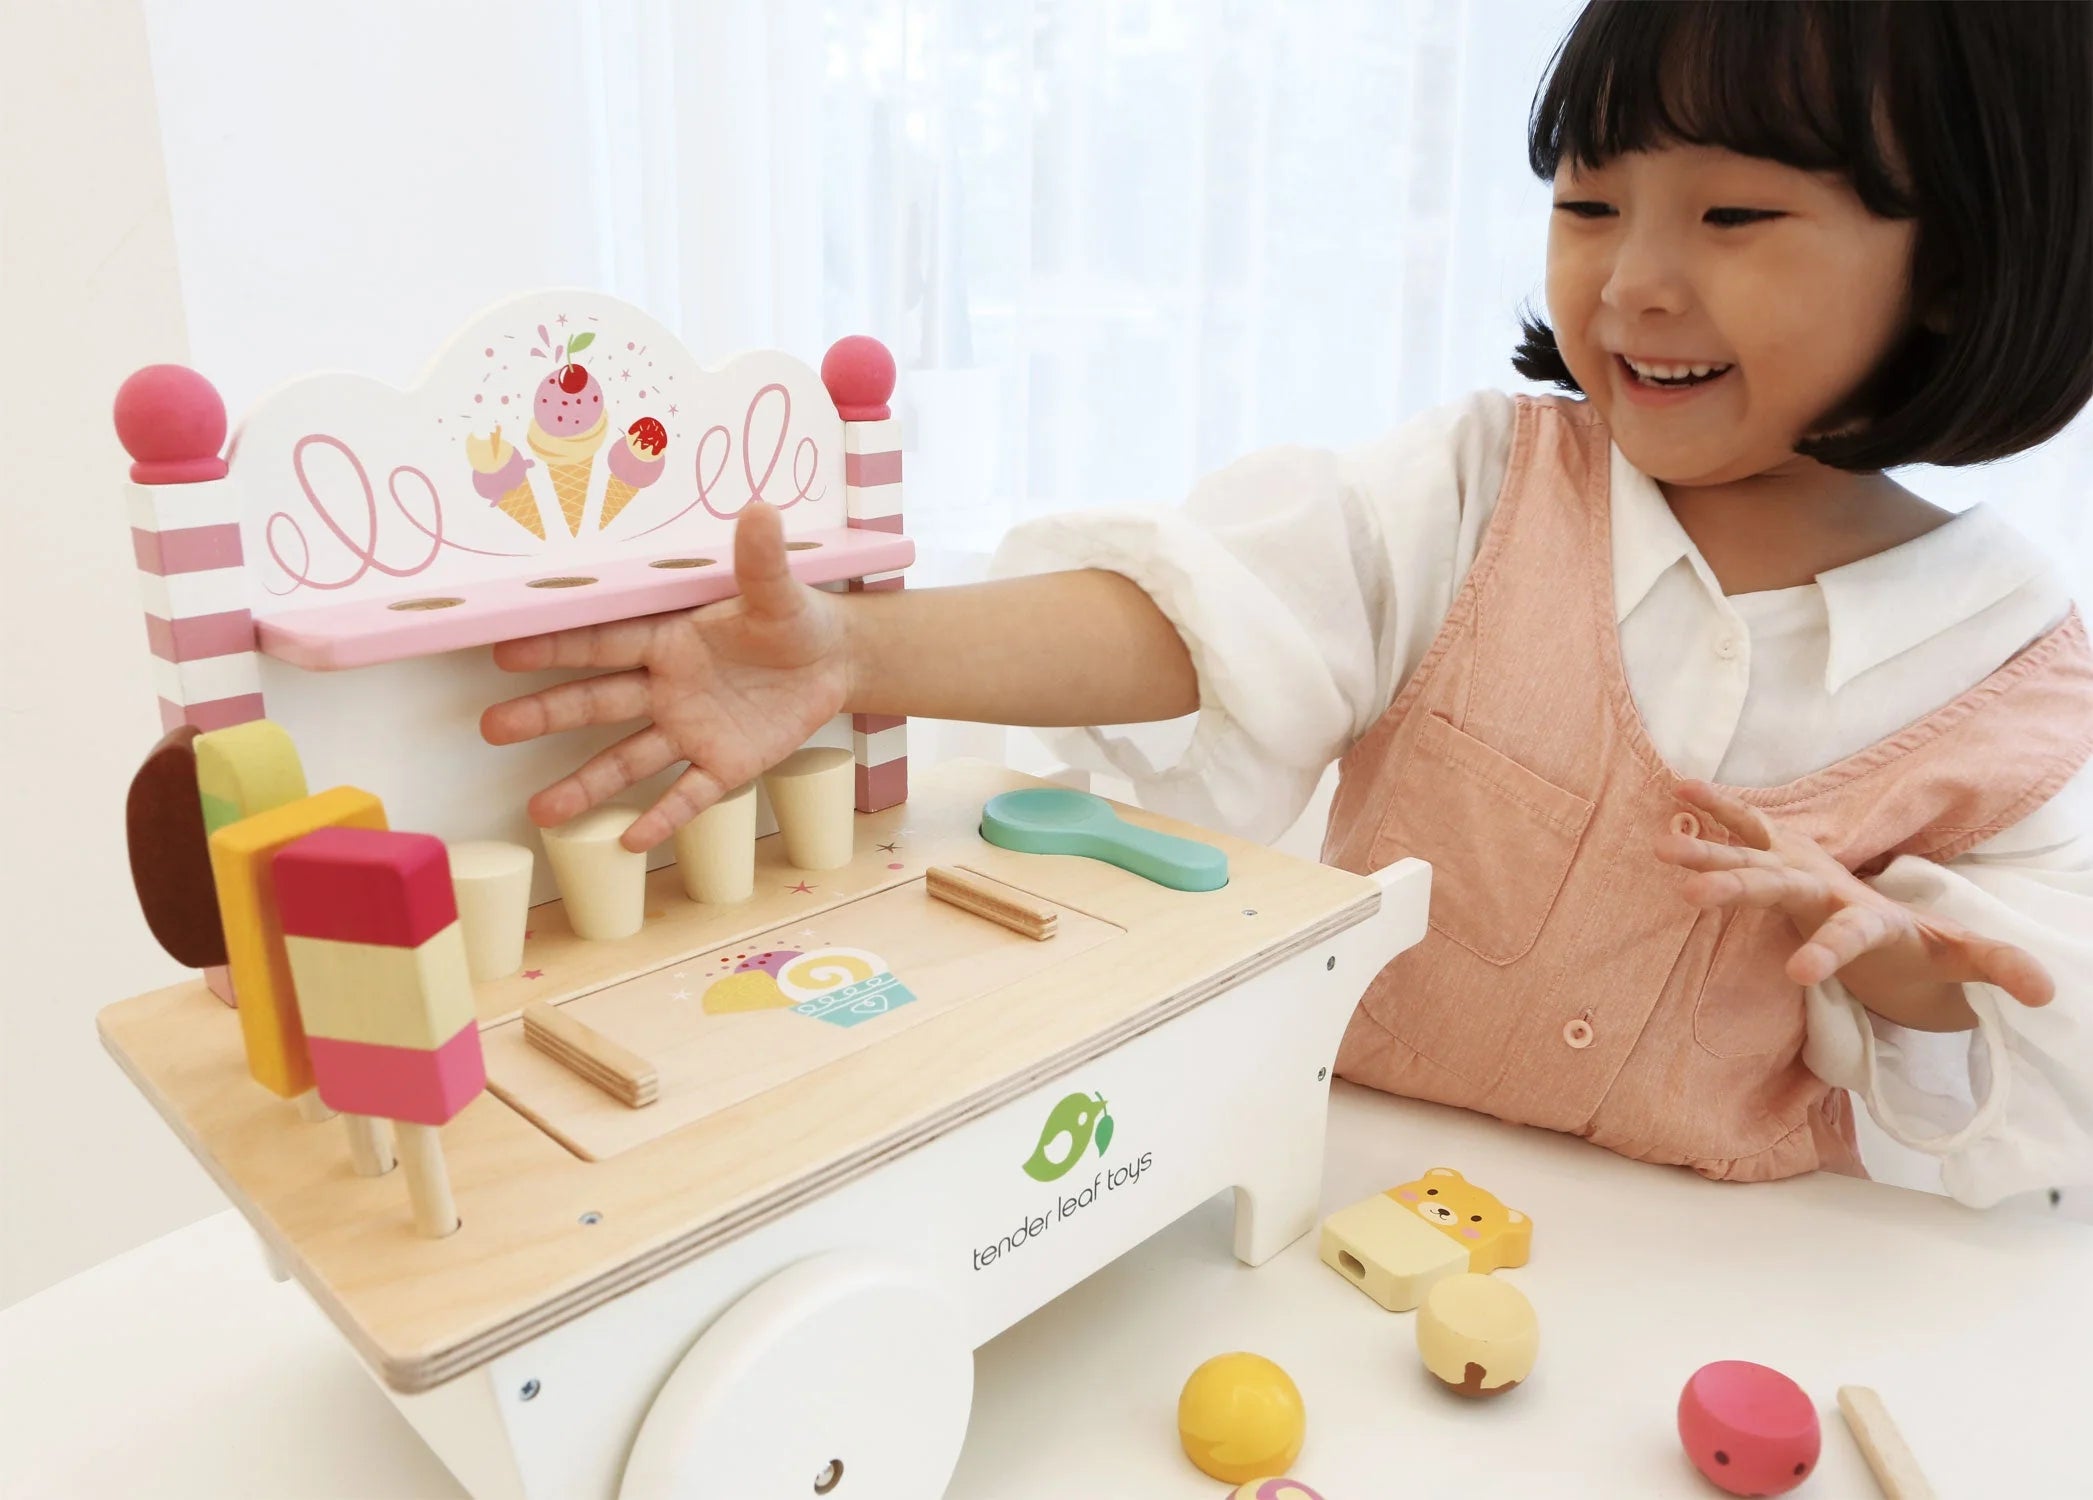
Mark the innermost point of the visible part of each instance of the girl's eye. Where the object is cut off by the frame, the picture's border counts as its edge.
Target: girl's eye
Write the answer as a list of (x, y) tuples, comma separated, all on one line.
[(1731, 218), (1584, 210)]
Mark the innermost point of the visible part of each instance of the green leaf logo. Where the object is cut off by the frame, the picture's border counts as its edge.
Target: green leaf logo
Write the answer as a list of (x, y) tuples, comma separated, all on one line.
[(579, 342), (1075, 1122)]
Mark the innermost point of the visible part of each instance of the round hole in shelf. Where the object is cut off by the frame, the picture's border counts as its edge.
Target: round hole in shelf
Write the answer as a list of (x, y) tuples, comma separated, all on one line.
[(830, 1476), (801, 546), (425, 604), (560, 583), (682, 562)]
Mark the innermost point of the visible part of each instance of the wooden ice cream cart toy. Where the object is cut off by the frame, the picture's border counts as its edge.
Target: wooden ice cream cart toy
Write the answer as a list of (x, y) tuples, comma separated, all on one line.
[(704, 1179)]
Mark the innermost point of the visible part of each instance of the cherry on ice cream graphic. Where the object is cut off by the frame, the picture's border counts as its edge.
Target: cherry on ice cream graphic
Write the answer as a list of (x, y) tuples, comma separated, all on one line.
[(568, 424)]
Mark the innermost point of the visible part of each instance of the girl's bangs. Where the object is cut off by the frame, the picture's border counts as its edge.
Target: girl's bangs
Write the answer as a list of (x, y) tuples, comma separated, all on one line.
[(1795, 83)]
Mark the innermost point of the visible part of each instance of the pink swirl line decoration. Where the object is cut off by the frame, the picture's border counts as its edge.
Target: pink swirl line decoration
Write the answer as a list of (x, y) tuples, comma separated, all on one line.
[(365, 552), (806, 459)]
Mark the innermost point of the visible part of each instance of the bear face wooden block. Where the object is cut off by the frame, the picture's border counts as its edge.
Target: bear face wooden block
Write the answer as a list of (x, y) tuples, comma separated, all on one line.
[(1397, 1245)]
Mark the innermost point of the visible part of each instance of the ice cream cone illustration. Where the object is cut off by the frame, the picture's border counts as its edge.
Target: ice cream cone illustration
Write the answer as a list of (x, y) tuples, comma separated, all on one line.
[(568, 425), (634, 464), (497, 473)]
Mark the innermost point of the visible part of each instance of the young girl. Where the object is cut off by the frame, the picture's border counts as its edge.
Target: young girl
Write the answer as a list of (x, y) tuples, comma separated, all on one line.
[(1748, 778)]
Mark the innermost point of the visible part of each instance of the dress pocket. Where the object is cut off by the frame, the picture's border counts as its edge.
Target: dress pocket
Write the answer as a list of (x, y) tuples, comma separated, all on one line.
[(1499, 839), (1747, 1006)]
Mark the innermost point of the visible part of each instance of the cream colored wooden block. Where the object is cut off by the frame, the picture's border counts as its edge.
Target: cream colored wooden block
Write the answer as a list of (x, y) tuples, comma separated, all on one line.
[(493, 885), (602, 883), (1388, 1252), (351, 992), (716, 850), (813, 792), (1478, 1334)]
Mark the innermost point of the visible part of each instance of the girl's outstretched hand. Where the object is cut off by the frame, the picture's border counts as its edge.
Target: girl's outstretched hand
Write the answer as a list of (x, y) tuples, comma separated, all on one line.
[(732, 688), (1906, 966)]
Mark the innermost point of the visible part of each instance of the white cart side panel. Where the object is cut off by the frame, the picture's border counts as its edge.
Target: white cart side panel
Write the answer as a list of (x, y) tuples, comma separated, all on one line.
[(1232, 1094)]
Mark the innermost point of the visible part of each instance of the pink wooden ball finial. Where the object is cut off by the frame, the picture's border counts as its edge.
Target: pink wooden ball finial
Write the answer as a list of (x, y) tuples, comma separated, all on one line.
[(859, 374), (172, 423)]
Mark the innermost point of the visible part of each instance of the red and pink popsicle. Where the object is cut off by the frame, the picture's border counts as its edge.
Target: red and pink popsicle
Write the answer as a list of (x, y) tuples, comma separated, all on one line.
[(370, 924)]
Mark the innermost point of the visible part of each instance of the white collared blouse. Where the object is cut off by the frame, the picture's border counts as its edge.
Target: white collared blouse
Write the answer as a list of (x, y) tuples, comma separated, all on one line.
[(1308, 585)]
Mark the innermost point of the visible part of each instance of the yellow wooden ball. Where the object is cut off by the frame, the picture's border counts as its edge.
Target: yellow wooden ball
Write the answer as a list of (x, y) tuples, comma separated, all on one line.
[(1240, 1418)]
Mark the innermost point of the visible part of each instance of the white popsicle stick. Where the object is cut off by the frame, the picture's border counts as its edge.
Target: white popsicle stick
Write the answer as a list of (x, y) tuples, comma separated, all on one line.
[(428, 1179), (311, 1110), (370, 1148), (1891, 1461)]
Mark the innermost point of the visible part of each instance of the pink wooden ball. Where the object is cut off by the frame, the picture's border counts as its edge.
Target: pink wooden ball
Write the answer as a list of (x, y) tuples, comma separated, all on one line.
[(859, 374), (1275, 1489), (172, 423), (1751, 1430)]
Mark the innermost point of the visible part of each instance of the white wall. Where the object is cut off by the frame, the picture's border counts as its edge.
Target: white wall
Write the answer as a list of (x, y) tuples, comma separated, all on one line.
[(88, 280)]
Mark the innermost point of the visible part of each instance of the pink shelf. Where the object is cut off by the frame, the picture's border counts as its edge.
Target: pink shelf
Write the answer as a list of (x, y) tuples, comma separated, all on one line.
[(398, 627)]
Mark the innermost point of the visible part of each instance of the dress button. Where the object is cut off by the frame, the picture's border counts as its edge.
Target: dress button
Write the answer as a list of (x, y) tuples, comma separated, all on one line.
[(1726, 648), (1578, 1033), (1687, 824)]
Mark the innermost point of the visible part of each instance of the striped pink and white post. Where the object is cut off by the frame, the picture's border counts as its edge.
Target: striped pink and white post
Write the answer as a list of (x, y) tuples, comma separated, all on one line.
[(185, 531), (859, 374)]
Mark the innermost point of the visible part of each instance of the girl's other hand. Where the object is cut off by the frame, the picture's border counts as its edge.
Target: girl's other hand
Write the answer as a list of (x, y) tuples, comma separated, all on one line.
[(732, 688), (1905, 965)]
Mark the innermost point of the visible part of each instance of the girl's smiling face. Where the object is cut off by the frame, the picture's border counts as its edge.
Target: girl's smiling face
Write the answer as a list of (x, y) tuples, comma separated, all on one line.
[(1695, 255)]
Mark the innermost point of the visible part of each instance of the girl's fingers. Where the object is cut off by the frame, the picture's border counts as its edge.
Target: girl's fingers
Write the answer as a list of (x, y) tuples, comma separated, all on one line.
[(1775, 886), (1850, 932), (2015, 970), (1744, 821), (688, 795), (603, 776), (621, 643), (568, 705), (1690, 853), (761, 568)]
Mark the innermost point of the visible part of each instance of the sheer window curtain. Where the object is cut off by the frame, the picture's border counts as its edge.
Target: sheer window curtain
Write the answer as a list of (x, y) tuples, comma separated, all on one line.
[(1112, 244)]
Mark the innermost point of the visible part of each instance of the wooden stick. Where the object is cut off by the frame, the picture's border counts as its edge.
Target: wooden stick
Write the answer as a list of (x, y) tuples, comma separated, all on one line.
[(1894, 1467), (428, 1179), (618, 1071), (993, 900), (311, 1110), (369, 1148)]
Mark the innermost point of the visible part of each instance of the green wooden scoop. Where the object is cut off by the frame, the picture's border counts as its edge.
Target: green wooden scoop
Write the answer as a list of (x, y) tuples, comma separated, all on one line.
[(1060, 820)]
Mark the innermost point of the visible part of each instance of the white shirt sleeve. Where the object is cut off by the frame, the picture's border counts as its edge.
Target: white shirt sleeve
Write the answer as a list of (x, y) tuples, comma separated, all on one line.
[(1306, 585), (2008, 1108)]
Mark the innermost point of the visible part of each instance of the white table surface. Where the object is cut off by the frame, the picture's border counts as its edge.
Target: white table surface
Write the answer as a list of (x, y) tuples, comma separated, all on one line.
[(181, 1370)]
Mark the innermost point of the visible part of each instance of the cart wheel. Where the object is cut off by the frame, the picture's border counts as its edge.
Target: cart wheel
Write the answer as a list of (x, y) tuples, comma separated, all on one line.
[(838, 1377)]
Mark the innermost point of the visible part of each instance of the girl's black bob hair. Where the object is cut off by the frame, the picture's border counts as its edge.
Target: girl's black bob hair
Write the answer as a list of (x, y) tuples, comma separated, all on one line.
[(1989, 109)]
